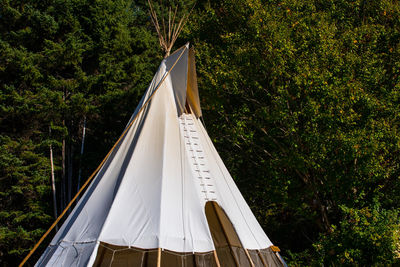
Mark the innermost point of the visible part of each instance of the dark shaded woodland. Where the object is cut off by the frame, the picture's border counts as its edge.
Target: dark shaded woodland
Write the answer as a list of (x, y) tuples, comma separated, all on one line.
[(301, 98)]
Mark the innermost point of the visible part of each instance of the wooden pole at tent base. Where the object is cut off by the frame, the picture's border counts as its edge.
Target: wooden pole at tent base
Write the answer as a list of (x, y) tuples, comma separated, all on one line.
[(248, 256), (216, 258), (262, 259), (276, 250), (159, 257)]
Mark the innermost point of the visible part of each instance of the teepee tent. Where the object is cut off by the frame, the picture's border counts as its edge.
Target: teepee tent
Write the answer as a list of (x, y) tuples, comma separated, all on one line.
[(163, 197)]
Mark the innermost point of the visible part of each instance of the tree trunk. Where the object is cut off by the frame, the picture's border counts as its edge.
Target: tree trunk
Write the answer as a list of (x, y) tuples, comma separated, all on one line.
[(53, 183), (63, 185), (70, 168), (80, 158), (63, 194)]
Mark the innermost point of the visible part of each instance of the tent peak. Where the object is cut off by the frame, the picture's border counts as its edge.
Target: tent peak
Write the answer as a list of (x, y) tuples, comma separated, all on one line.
[(168, 29)]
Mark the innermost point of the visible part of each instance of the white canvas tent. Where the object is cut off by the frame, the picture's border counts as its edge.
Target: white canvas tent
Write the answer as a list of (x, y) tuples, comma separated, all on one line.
[(163, 197)]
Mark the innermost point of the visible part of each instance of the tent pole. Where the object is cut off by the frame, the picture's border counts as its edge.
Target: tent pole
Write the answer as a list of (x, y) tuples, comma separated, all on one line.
[(248, 256), (262, 259), (159, 257), (216, 258)]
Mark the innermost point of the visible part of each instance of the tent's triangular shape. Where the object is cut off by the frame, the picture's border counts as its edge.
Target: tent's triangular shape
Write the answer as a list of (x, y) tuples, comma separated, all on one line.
[(149, 205)]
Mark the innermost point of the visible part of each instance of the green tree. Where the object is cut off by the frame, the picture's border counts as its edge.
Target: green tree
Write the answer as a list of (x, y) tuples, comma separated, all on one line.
[(300, 97), (302, 100), (62, 61)]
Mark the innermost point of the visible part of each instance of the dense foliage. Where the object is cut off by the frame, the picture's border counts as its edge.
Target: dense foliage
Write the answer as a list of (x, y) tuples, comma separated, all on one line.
[(301, 98), (306, 95), (62, 62)]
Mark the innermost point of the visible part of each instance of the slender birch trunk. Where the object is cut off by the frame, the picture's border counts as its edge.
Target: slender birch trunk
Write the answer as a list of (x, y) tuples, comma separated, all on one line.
[(63, 195), (70, 168), (80, 158), (63, 177), (53, 183)]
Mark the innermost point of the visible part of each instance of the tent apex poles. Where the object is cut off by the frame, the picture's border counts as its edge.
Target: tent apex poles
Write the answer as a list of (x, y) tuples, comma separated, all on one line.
[(168, 32)]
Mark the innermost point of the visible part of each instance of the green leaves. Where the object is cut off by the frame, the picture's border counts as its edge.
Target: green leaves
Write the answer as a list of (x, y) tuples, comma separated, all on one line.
[(306, 91), (24, 192), (364, 236), (61, 62), (300, 97)]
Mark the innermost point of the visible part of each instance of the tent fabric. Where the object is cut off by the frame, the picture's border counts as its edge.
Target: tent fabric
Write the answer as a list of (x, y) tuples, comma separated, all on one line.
[(231, 200), (152, 190), (192, 90), (178, 61), (115, 256), (110, 255), (226, 241)]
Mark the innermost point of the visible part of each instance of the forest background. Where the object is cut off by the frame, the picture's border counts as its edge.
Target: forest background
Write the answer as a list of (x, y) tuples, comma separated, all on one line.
[(300, 97)]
